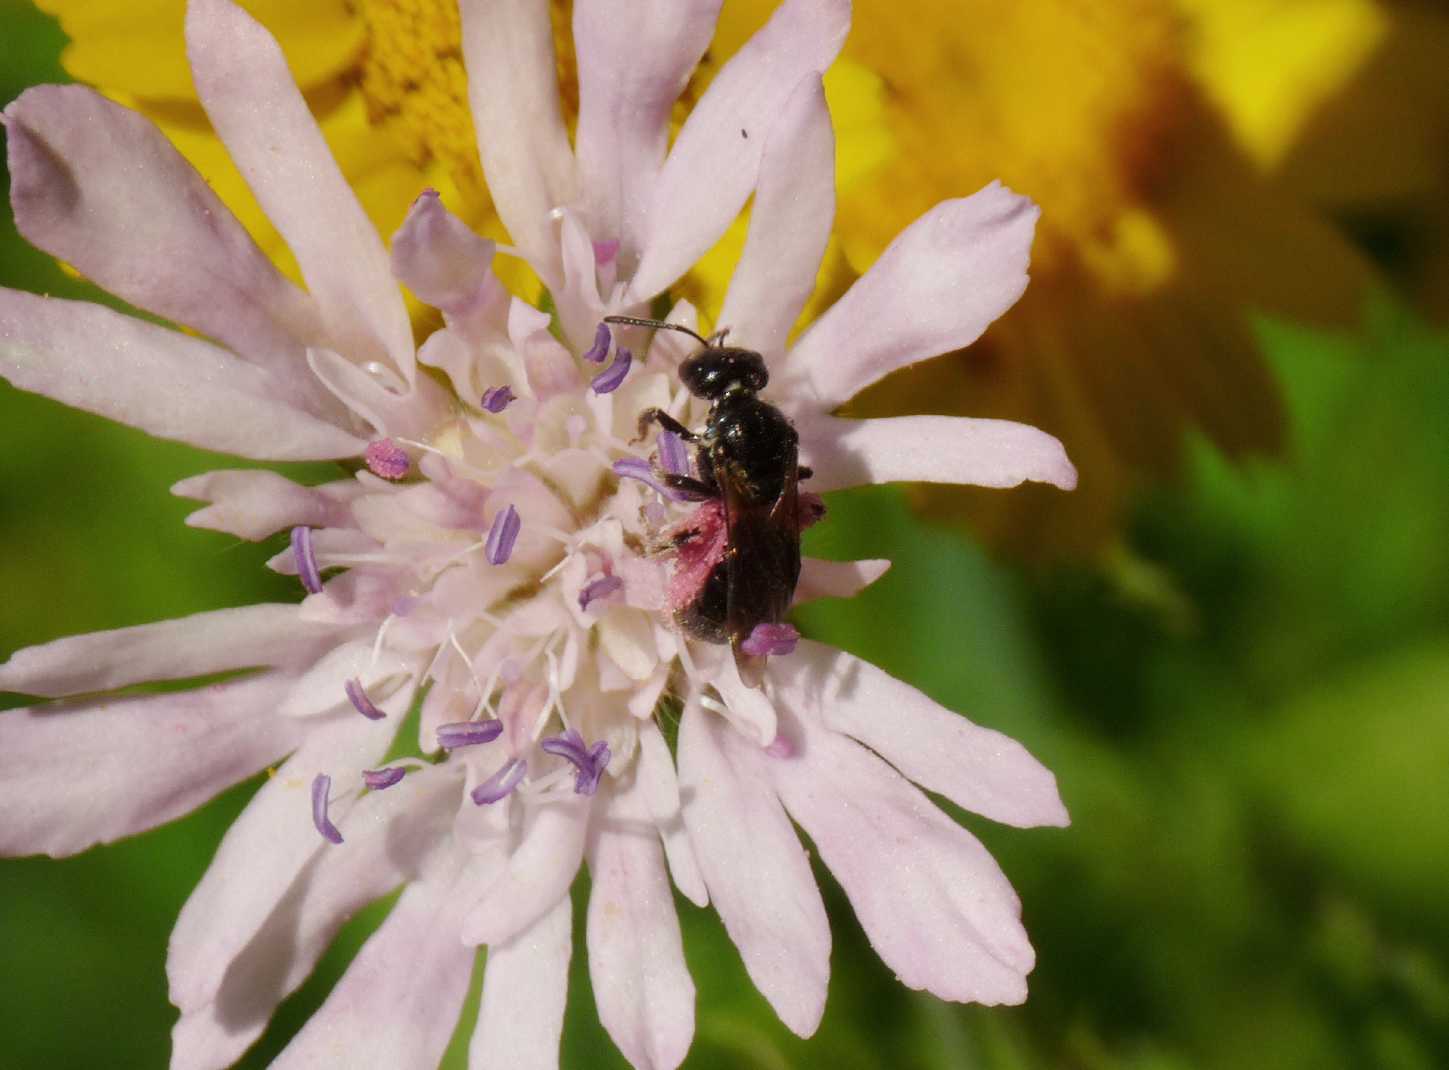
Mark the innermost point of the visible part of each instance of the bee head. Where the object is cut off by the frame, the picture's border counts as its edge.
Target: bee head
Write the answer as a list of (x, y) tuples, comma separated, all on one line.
[(713, 371)]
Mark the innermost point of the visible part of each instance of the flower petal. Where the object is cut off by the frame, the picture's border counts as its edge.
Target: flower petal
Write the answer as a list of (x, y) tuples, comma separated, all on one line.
[(977, 768), (262, 636), (537, 873), (253, 503), (757, 874), (716, 158), (244, 84), (789, 225), (836, 579), (398, 1002), (520, 1020), (265, 849), (943, 280), (389, 833), (934, 904), (930, 449), (660, 785), (642, 987), (438, 257), (98, 186), (161, 381), (513, 91), (633, 61), (74, 774)]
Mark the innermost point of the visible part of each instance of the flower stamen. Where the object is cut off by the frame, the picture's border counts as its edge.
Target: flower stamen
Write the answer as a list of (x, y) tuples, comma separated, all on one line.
[(387, 459), (501, 536), (609, 380), (468, 733), (321, 785), (599, 588), (498, 398), (501, 784), (381, 779), (771, 639), (597, 352), (360, 702), (306, 562), (590, 762)]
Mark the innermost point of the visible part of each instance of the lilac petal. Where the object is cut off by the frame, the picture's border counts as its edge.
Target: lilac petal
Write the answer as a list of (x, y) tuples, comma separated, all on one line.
[(305, 560), (501, 784), (524, 146), (262, 854), (260, 636), (609, 380), (520, 1019), (977, 768), (599, 588), (936, 907), (930, 449), (158, 380), (438, 257), (357, 695), (934, 289), (382, 779), (387, 459), (497, 398), (836, 579), (468, 733), (252, 503), (498, 547), (596, 353), (641, 985), (387, 1014), (633, 61), (321, 785), (771, 640), (660, 785), (77, 773), (388, 838), (84, 171), (710, 169), (790, 221), (536, 875), (673, 454), (758, 876), (242, 80)]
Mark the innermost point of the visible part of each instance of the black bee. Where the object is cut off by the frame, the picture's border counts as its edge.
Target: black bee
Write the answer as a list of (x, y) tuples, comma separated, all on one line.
[(747, 459)]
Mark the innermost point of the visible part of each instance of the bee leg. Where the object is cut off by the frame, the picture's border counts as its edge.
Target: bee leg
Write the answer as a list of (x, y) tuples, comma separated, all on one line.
[(664, 420), (694, 488)]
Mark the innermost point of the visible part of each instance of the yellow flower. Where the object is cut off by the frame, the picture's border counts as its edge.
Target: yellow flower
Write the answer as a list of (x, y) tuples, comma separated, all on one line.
[(1172, 145)]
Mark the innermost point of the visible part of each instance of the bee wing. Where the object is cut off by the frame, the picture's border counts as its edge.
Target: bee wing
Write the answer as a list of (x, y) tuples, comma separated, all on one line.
[(762, 562)]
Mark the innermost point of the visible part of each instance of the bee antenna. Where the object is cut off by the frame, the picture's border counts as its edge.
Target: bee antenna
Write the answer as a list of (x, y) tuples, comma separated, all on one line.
[(636, 321)]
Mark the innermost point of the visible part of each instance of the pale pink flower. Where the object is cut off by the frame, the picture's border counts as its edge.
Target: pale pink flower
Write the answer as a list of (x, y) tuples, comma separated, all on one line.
[(495, 555)]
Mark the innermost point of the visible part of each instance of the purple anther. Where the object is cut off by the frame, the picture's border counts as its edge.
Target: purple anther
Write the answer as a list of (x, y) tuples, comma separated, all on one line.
[(673, 454), (321, 785), (501, 536), (638, 468), (387, 459), (599, 588), (605, 251), (360, 702), (596, 353), (305, 561), (468, 733), (386, 777), (498, 398), (501, 784), (771, 639), (611, 378), (590, 762)]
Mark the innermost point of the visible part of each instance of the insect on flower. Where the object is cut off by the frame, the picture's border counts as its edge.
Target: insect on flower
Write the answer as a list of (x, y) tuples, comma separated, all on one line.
[(747, 459)]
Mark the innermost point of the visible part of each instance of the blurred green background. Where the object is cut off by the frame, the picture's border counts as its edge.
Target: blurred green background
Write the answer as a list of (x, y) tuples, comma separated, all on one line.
[(1246, 703)]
